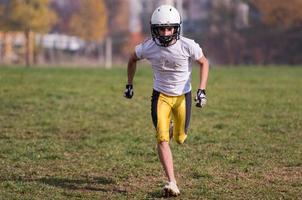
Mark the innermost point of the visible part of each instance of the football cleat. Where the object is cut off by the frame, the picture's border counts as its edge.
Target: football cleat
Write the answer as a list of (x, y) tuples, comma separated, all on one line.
[(171, 189)]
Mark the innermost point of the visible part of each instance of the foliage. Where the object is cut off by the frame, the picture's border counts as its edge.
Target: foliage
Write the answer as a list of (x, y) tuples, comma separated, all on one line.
[(22, 15), (90, 21), (27, 16), (280, 13), (70, 134)]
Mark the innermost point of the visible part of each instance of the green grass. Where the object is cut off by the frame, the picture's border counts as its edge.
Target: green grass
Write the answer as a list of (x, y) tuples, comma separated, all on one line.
[(69, 134)]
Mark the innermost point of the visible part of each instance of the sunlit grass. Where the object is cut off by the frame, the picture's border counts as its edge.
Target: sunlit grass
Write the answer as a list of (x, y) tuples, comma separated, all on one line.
[(69, 134)]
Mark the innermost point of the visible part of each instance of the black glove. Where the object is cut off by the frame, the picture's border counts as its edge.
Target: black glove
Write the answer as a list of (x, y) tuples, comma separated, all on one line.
[(129, 91), (201, 98)]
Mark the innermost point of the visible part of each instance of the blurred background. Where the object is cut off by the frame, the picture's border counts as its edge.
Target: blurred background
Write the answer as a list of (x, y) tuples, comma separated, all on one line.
[(102, 33)]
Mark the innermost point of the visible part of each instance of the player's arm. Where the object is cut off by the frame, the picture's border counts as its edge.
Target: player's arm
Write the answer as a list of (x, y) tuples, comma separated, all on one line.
[(131, 67), (131, 72), (203, 78), (203, 73)]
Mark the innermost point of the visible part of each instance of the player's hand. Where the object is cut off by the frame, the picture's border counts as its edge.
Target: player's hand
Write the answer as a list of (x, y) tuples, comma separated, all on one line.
[(201, 98), (129, 91)]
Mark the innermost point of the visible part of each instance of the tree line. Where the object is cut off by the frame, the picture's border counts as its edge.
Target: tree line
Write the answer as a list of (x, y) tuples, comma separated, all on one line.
[(274, 34), (87, 20), (272, 37)]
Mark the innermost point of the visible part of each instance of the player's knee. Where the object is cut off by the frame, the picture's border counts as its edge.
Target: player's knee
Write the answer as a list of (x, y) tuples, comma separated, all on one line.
[(181, 138), (179, 141), (162, 138)]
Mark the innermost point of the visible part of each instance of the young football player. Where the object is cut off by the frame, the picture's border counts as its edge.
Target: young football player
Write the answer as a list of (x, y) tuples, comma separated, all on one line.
[(171, 57)]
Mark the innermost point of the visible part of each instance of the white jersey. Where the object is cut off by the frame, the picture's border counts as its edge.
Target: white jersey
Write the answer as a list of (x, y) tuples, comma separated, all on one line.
[(172, 65)]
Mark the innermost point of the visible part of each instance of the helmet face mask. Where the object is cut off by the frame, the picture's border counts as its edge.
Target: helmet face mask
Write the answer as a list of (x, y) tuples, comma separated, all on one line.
[(165, 16), (162, 40)]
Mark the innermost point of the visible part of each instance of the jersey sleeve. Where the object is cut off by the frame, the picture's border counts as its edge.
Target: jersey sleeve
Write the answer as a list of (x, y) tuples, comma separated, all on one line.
[(139, 51), (196, 51)]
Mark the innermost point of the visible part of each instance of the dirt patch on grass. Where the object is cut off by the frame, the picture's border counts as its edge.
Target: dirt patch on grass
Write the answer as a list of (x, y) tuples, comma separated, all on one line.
[(286, 174)]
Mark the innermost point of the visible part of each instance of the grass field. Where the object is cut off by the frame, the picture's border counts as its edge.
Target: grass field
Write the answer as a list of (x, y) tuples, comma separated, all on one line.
[(70, 134)]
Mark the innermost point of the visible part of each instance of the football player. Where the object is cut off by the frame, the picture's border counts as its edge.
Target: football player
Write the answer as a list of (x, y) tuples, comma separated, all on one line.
[(171, 57)]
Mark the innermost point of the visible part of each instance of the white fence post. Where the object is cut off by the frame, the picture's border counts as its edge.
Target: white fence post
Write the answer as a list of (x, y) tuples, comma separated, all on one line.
[(108, 56)]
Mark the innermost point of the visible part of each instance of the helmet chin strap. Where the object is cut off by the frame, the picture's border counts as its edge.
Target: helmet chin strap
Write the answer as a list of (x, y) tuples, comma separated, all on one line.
[(165, 42)]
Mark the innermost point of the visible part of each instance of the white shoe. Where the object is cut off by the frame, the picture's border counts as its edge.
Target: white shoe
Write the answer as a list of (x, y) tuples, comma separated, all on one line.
[(171, 189)]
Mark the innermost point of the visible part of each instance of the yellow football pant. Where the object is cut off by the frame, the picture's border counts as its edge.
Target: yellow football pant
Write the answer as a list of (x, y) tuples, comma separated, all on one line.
[(165, 108)]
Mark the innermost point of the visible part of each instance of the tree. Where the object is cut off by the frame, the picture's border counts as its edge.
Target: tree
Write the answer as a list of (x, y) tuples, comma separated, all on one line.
[(27, 16), (64, 12), (90, 21), (278, 38), (280, 13)]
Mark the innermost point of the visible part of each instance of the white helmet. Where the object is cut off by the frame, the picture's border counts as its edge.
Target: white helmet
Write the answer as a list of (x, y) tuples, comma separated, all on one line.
[(165, 16)]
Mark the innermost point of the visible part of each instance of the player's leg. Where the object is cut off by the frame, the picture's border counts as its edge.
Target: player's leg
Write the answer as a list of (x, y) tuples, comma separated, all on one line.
[(181, 114), (166, 159), (161, 114)]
